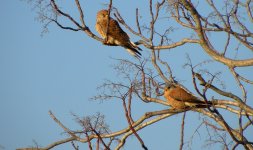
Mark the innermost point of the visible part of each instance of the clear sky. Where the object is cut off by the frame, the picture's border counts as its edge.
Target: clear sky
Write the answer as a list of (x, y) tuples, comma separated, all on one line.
[(60, 72)]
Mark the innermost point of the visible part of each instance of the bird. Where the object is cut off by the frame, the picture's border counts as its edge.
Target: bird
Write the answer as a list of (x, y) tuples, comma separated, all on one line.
[(115, 35), (180, 98)]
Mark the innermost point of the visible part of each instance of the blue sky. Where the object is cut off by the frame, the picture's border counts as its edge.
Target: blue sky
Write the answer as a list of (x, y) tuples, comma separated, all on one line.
[(60, 72)]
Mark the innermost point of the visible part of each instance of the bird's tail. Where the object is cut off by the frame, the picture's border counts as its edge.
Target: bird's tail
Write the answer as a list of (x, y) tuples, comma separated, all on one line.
[(135, 46), (206, 104), (133, 50)]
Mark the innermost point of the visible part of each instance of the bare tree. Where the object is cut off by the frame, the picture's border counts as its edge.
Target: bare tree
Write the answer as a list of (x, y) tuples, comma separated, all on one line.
[(145, 78)]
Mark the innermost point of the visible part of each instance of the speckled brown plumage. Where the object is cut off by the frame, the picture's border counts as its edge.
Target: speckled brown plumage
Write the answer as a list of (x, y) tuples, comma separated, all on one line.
[(115, 36), (179, 98)]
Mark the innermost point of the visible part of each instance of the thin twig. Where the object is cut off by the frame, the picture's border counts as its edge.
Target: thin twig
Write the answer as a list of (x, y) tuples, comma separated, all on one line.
[(182, 132)]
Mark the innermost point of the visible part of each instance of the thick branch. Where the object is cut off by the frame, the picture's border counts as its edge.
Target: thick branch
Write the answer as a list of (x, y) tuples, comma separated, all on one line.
[(206, 45)]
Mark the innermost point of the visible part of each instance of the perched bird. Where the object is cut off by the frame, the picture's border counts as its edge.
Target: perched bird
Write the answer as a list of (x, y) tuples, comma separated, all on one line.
[(115, 35), (180, 98)]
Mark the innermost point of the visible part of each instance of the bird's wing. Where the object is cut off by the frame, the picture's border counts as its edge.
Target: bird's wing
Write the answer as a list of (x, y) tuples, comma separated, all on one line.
[(116, 31), (117, 36), (180, 94)]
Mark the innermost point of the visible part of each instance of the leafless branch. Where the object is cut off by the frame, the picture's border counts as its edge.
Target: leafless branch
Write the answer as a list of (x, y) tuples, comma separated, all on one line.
[(182, 132), (143, 80)]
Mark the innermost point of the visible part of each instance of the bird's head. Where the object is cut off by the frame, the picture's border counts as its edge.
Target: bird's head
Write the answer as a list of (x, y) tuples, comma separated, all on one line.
[(102, 14), (169, 86)]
